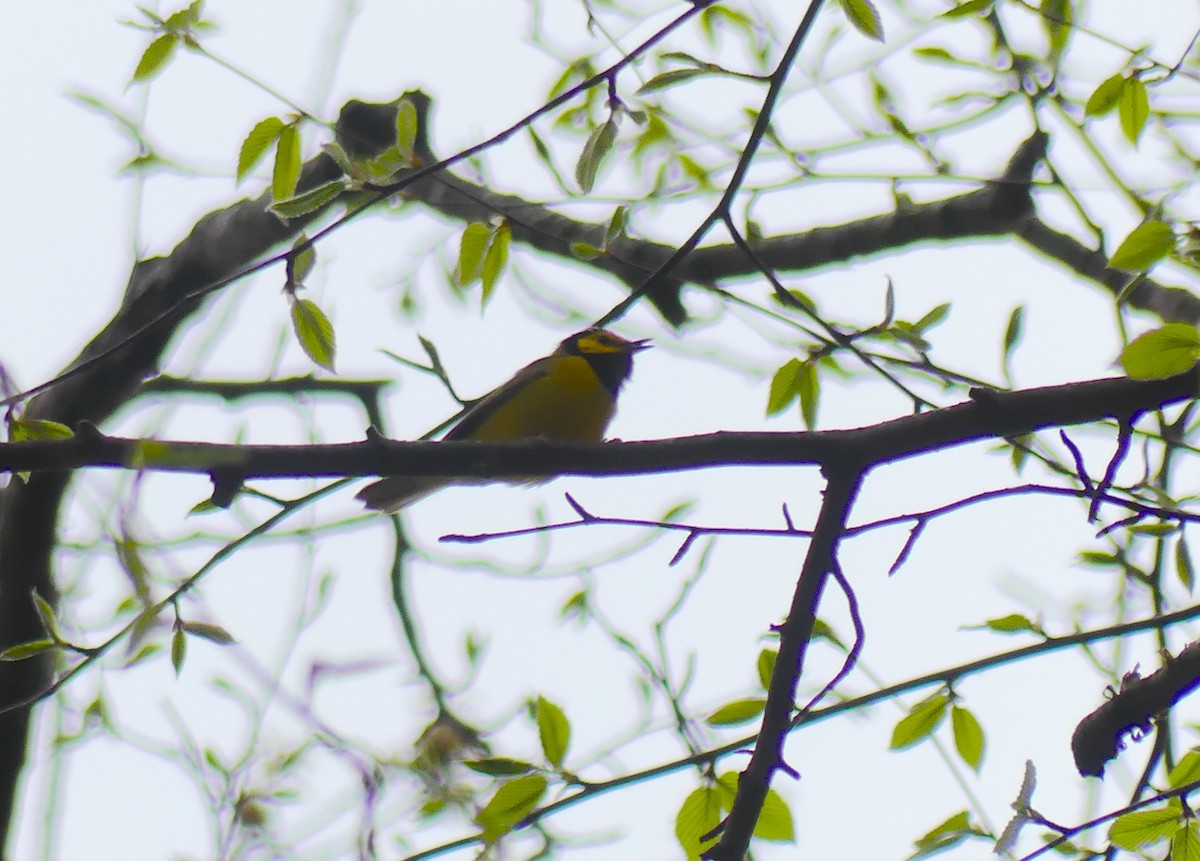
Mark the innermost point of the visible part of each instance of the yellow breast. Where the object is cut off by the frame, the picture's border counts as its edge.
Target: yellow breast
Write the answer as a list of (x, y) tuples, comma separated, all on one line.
[(568, 403)]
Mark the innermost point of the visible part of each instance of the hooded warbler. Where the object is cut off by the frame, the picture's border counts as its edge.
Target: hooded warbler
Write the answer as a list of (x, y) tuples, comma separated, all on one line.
[(568, 396)]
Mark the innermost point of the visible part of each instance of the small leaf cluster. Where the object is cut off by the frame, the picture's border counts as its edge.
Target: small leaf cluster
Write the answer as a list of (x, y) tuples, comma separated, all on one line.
[(524, 784), (180, 28), (482, 256)]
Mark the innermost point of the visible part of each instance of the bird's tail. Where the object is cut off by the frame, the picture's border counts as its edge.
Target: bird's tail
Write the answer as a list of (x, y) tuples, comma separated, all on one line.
[(392, 494)]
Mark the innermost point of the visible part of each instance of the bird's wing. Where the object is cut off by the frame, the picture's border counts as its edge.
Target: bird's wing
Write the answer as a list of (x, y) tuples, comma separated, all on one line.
[(486, 406)]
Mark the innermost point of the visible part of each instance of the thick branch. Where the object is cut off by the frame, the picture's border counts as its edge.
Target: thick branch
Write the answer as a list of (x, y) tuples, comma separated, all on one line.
[(794, 637), (988, 415)]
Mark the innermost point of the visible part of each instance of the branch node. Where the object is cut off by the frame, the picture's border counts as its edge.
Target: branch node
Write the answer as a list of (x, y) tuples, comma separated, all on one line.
[(226, 485)]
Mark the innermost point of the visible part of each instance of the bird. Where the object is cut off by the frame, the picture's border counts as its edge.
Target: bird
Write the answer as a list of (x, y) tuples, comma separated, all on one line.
[(568, 396)]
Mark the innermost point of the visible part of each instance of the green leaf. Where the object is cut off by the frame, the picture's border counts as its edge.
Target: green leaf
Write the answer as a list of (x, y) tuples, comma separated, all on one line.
[(1105, 97), (154, 58), (406, 129), (616, 225), (256, 144), (300, 263), (1185, 844), (971, 7), (1186, 771), (498, 766), (1149, 243), (670, 79), (1012, 334), (494, 260), (784, 387), (598, 145), (207, 631), (949, 833), (34, 430), (936, 55), (737, 712), (310, 201), (1057, 18), (287, 163), (554, 730), (968, 736), (1183, 565), (1143, 827), (808, 386), (583, 251), (471, 249), (920, 722), (314, 332), (699, 814), (766, 666), (775, 820), (864, 16), (1133, 108), (512, 802), (1013, 623), (22, 651), (1161, 353), (46, 616), (933, 318), (178, 650)]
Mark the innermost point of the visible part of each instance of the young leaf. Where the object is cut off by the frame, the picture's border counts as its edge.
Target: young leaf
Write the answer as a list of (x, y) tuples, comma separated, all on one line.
[(968, 736), (1185, 843), (154, 58), (1133, 108), (310, 201), (784, 387), (949, 833), (22, 651), (300, 264), (933, 318), (406, 129), (775, 820), (808, 386), (287, 163), (1141, 828), (766, 666), (314, 332), (1057, 18), (616, 225), (494, 260), (31, 430), (498, 766), (699, 814), (1012, 334), (554, 730), (471, 249), (1147, 244), (597, 147), (1013, 623), (971, 7), (512, 802), (1186, 770), (207, 631), (178, 650), (256, 144), (864, 16), (1183, 565), (46, 616), (1161, 353), (1105, 97), (920, 722), (669, 79), (737, 712)]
